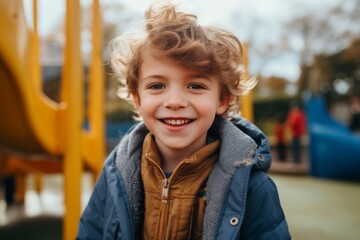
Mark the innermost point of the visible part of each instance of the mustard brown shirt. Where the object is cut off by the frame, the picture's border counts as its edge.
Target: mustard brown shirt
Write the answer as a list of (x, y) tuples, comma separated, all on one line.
[(174, 206)]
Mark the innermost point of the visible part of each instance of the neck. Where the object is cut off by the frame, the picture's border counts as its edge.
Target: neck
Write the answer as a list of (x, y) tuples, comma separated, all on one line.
[(169, 160), (171, 157)]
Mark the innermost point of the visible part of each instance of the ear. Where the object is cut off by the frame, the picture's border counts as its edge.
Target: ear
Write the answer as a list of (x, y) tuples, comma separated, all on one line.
[(223, 104), (137, 102)]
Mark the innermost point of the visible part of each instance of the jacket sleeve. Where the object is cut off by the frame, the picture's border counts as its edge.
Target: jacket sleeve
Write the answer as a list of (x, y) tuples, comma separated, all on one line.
[(264, 217), (92, 219)]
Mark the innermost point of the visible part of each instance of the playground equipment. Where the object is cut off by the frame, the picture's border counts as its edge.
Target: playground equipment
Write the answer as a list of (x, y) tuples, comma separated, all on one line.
[(34, 129), (38, 135), (246, 103), (334, 150)]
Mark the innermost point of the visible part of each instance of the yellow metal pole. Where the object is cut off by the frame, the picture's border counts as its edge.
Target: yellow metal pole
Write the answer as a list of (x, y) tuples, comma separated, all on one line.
[(38, 177), (247, 100), (35, 16), (96, 94), (73, 116)]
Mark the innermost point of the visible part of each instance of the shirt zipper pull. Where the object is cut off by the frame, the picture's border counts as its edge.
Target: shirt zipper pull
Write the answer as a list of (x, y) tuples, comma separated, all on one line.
[(165, 190)]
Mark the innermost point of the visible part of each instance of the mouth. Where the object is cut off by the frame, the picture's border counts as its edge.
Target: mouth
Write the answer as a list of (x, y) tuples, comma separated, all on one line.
[(176, 122)]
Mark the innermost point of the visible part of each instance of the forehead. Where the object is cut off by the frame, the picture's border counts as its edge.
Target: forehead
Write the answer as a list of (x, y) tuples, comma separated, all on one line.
[(152, 58), (149, 52)]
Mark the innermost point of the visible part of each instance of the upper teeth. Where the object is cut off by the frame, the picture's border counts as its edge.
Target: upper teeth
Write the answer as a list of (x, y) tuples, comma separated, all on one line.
[(176, 121)]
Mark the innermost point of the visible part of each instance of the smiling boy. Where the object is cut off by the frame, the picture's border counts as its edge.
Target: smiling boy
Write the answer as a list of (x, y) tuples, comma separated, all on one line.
[(190, 169)]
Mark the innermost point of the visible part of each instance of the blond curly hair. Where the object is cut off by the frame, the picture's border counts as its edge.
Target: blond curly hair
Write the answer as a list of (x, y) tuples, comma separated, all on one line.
[(209, 50)]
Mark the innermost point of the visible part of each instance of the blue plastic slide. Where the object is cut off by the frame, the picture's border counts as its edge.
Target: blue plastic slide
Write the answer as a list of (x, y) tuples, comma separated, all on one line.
[(334, 151)]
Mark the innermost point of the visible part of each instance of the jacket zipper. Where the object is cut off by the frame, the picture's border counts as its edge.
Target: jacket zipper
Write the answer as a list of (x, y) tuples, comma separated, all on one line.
[(164, 201), (165, 196)]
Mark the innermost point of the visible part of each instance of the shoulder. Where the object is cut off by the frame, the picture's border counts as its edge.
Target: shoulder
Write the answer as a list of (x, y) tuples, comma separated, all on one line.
[(264, 215), (256, 184), (253, 200), (259, 181)]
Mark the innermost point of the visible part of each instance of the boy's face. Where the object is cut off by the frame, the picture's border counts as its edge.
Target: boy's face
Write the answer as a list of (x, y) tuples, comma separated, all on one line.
[(178, 105)]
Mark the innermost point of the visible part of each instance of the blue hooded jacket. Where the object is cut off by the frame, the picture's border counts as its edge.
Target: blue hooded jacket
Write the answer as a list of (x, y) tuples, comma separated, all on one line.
[(242, 201)]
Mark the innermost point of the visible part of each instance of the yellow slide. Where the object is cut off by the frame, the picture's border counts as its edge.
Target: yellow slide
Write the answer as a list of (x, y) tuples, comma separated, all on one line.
[(33, 125), (29, 119)]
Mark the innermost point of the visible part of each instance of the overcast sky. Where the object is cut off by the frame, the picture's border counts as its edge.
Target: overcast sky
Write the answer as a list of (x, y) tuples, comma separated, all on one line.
[(227, 13)]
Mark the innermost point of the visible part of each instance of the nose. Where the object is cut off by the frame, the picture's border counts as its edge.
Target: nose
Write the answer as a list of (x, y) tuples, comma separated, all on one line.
[(175, 100)]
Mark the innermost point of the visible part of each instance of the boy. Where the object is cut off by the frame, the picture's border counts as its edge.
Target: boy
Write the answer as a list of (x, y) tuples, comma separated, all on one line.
[(185, 172)]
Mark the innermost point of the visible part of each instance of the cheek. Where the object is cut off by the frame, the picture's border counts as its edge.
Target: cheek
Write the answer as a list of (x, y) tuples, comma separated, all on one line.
[(145, 106), (207, 106)]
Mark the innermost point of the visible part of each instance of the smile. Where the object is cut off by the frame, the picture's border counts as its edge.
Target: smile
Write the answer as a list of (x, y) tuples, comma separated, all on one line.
[(176, 122)]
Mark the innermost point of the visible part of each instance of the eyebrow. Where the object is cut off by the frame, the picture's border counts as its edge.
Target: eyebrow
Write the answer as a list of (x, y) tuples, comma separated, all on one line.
[(153, 76), (206, 78), (190, 76)]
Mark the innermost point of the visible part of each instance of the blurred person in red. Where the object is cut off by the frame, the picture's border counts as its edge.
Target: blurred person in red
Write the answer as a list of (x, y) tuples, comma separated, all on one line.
[(296, 124), (279, 133)]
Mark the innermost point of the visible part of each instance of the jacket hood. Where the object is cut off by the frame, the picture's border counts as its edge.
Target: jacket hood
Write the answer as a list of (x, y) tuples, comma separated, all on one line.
[(262, 157), (242, 144)]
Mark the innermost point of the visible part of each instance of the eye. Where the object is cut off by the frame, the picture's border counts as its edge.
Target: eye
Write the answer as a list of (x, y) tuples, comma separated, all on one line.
[(196, 86), (156, 86)]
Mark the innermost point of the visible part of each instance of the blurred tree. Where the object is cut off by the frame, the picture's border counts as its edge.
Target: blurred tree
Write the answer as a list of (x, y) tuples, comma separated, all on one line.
[(327, 31), (117, 19), (302, 36), (271, 86), (253, 30), (338, 73)]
